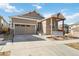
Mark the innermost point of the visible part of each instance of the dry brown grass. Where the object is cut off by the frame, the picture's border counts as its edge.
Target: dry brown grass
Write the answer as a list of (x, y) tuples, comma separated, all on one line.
[(74, 45), (5, 53)]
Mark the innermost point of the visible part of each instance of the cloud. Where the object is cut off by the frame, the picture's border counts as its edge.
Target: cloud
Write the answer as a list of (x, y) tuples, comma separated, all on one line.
[(47, 15), (70, 19), (37, 6), (9, 8), (73, 16), (63, 10)]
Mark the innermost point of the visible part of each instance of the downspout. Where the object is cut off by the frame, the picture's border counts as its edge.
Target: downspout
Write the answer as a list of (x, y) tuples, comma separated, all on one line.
[(51, 26)]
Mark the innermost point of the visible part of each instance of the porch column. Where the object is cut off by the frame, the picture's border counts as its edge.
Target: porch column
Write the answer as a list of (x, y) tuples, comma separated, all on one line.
[(51, 26), (56, 25), (63, 26)]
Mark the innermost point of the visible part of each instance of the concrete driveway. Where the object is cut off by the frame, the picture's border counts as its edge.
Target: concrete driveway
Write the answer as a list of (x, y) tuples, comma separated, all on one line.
[(30, 45), (33, 45), (26, 38), (40, 48)]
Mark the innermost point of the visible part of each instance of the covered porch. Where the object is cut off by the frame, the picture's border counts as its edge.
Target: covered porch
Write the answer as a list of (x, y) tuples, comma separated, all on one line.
[(52, 25)]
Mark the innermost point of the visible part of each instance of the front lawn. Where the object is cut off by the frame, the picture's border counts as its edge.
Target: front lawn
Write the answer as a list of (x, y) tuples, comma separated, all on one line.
[(74, 45)]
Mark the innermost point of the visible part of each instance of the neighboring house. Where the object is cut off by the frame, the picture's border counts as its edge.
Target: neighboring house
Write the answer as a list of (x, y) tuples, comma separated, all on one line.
[(74, 29), (34, 23), (3, 25)]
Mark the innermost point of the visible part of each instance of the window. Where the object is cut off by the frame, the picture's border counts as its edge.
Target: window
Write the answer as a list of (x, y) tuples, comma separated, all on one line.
[(28, 25), (17, 24), (22, 25)]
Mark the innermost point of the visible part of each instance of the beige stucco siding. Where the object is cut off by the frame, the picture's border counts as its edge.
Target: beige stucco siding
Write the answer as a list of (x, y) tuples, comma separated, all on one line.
[(16, 20), (44, 27)]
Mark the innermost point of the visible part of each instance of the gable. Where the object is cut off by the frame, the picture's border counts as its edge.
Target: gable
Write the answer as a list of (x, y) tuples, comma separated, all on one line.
[(32, 15)]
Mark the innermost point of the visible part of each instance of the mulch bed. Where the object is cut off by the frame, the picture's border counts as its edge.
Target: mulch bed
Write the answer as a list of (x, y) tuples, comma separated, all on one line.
[(56, 38)]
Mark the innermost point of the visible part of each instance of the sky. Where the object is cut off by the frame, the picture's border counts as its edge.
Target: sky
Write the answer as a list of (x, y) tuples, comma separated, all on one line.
[(69, 10)]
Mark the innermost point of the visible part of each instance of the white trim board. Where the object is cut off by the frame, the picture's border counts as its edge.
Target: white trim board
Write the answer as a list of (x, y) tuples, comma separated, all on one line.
[(27, 19), (24, 23)]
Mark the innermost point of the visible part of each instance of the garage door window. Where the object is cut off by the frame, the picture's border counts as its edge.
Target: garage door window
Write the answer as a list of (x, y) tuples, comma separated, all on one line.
[(17, 25), (23, 25), (28, 25)]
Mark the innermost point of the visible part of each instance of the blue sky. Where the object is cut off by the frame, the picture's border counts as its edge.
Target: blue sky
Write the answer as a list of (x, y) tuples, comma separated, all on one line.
[(69, 10)]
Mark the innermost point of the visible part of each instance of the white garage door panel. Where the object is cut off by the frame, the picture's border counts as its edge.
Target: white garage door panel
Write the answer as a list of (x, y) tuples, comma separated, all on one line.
[(30, 29), (20, 30)]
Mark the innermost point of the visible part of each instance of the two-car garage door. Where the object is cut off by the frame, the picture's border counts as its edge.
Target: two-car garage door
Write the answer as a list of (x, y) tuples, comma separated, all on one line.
[(24, 29)]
